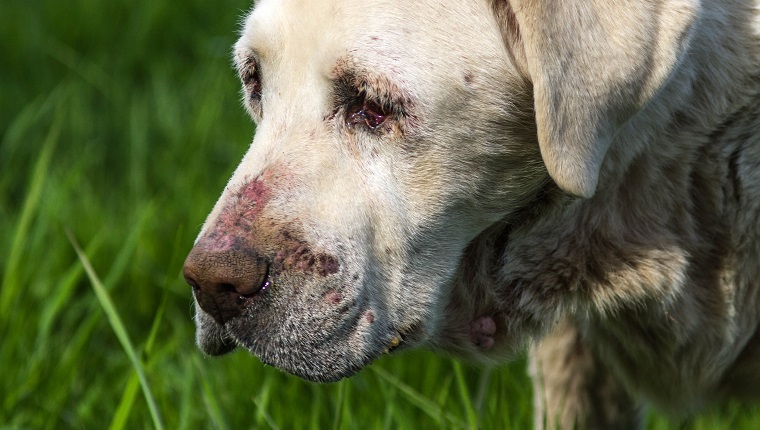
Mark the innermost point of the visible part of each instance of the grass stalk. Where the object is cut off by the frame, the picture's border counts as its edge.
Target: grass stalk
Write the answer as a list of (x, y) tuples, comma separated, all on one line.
[(118, 327), (212, 406), (431, 408), (11, 284), (464, 393)]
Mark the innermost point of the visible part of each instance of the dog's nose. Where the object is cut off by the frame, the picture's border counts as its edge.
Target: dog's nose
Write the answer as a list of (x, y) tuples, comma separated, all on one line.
[(224, 280)]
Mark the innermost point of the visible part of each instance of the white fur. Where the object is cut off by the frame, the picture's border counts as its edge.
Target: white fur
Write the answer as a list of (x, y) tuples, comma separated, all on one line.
[(581, 171)]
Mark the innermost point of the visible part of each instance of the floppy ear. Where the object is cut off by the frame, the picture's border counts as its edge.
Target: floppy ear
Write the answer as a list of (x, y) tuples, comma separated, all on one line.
[(593, 64)]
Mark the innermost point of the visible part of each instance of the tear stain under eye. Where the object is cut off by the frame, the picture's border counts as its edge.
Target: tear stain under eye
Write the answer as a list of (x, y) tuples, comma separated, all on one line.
[(350, 136), (352, 144)]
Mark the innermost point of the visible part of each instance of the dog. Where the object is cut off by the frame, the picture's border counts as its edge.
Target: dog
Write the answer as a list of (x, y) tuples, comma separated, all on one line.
[(579, 178)]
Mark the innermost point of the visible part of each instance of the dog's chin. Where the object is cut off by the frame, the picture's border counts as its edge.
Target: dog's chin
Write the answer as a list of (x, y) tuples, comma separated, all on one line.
[(211, 337), (329, 363), (328, 355)]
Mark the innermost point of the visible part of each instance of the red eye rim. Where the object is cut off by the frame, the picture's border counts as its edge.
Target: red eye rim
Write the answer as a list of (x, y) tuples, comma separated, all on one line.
[(374, 114), (369, 113)]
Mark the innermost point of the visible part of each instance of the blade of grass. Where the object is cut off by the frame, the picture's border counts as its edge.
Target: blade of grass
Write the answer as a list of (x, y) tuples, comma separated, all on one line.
[(339, 405), (432, 409), (392, 414), (122, 259), (483, 389), (443, 388), (63, 292), (214, 411), (464, 393), (119, 419), (118, 327), (174, 261), (89, 71), (49, 315), (262, 402), (27, 119), (187, 405), (265, 415), (11, 282)]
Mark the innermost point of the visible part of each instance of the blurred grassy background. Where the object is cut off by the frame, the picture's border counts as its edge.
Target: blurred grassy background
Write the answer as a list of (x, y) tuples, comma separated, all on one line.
[(120, 123)]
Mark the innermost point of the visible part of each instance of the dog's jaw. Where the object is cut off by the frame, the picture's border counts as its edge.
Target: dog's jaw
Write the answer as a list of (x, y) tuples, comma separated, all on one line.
[(297, 335)]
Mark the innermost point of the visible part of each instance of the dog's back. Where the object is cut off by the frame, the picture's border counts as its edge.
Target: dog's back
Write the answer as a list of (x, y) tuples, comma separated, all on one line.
[(691, 199)]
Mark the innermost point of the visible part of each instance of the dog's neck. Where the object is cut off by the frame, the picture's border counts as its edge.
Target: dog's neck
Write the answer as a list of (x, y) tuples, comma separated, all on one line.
[(631, 246), (633, 241)]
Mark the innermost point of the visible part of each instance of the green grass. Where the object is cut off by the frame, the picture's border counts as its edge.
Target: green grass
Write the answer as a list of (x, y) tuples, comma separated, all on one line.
[(119, 125)]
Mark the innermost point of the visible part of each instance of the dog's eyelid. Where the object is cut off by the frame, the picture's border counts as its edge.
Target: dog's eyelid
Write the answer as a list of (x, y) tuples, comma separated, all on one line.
[(249, 72), (369, 100), (385, 99), (248, 69), (363, 82)]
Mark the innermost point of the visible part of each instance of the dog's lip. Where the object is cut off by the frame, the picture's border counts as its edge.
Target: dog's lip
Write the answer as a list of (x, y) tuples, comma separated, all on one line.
[(397, 342), (402, 339), (219, 341), (228, 345)]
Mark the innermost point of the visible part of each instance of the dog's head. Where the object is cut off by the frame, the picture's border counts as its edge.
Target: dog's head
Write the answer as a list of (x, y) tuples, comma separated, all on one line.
[(390, 135)]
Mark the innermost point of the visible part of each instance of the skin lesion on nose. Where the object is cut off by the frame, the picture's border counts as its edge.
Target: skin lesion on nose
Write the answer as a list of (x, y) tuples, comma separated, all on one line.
[(243, 252), (245, 207)]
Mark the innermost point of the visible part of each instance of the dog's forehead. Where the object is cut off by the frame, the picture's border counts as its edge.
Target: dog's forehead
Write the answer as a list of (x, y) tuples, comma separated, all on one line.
[(381, 33)]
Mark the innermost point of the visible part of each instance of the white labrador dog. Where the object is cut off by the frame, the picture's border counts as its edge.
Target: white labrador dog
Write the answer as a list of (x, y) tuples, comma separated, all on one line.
[(478, 176)]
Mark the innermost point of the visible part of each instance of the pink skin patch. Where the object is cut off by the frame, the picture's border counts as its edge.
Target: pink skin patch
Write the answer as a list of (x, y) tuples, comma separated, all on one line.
[(238, 226), (237, 218), (333, 297), (369, 316), (482, 331), (249, 201)]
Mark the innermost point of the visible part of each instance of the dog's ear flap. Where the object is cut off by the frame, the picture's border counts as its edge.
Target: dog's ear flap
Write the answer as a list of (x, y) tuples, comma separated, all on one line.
[(593, 65)]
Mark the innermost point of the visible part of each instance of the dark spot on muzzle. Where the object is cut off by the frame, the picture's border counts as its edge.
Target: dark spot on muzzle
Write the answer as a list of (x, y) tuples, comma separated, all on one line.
[(225, 279)]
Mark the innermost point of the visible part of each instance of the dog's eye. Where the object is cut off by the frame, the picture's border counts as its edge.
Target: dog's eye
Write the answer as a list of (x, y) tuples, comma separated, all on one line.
[(369, 113), (249, 74)]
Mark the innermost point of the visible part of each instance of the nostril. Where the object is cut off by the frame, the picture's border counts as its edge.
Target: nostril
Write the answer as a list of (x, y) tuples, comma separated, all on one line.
[(225, 282), (231, 289), (191, 281), (252, 281)]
